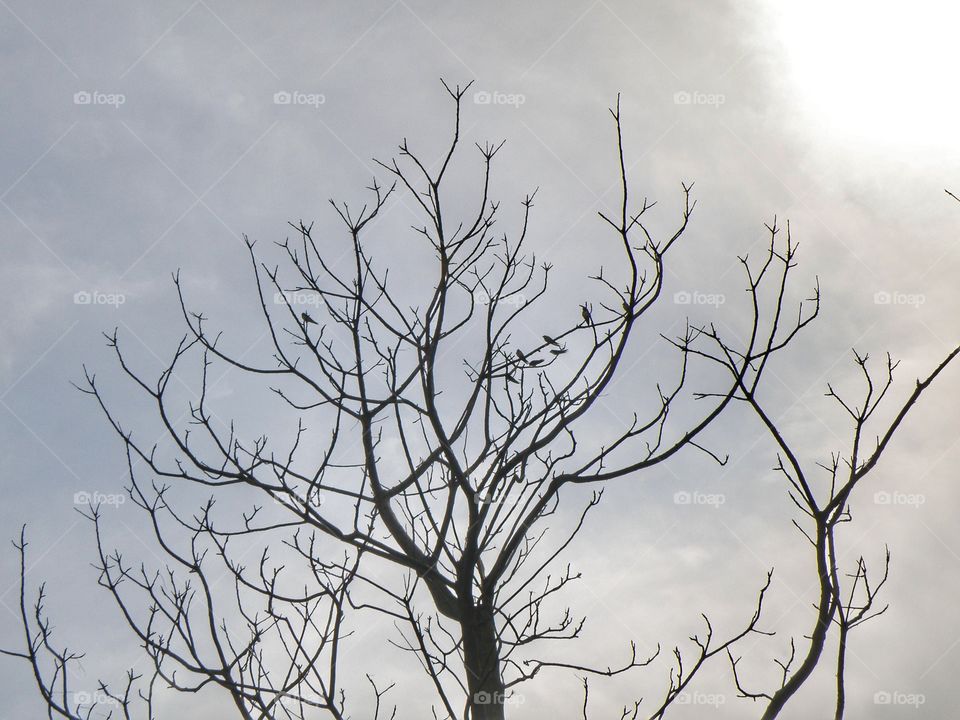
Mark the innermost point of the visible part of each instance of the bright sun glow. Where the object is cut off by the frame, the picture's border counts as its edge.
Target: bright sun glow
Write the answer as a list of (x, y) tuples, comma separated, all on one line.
[(879, 71)]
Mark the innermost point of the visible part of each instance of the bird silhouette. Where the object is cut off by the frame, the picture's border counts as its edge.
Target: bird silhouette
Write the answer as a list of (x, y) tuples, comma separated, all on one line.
[(558, 351), (510, 378), (307, 320), (551, 341), (585, 314), (535, 362), (521, 356)]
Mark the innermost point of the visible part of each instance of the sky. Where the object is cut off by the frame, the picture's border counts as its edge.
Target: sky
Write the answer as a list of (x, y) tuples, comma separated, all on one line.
[(142, 138)]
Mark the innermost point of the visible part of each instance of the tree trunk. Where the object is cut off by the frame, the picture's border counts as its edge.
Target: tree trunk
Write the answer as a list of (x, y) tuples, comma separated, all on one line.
[(841, 662), (818, 638), (481, 658)]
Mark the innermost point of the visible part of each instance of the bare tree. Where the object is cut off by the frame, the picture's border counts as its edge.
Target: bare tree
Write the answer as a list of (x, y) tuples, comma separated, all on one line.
[(274, 652), (449, 435), (825, 504)]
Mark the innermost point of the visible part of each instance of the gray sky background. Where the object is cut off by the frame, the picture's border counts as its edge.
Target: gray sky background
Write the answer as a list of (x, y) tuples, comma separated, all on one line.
[(840, 120)]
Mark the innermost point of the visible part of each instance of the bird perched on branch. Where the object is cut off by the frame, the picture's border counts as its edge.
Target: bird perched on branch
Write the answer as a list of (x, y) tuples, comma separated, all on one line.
[(558, 351), (521, 356), (585, 314), (307, 320), (550, 340)]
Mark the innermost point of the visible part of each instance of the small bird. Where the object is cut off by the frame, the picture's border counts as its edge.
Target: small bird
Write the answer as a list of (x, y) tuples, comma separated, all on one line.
[(521, 356), (510, 378), (550, 340), (628, 309), (558, 351), (535, 362), (307, 320), (585, 314)]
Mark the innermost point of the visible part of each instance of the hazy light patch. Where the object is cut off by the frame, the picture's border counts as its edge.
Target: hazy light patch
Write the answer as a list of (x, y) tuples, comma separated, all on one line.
[(880, 72)]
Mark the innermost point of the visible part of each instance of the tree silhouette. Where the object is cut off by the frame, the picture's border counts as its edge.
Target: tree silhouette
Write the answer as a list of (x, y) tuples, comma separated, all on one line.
[(433, 437), (845, 600)]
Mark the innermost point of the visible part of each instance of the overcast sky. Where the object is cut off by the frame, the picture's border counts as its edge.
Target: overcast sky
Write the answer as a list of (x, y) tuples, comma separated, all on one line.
[(139, 138)]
